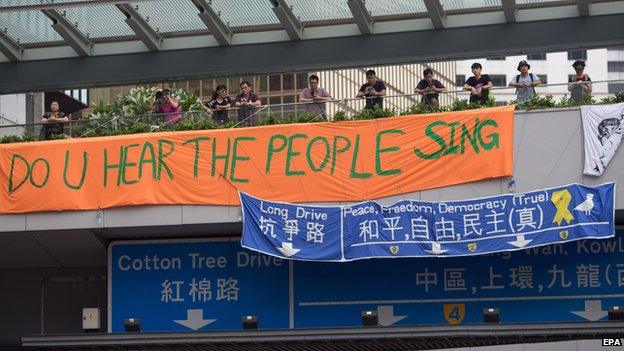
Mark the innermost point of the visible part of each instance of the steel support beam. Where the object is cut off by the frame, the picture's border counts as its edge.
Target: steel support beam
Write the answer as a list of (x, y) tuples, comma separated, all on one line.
[(72, 36), (139, 25), (288, 19), (310, 55), (212, 20), (436, 13), (510, 8), (10, 48), (63, 4), (583, 7), (362, 16)]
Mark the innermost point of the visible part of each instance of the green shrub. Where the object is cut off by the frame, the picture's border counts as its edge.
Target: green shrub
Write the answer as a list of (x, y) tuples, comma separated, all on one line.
[(340, 115), (420, 108), (7, 139), (375, 112), (617, 98), (61, 136), (537, 102)]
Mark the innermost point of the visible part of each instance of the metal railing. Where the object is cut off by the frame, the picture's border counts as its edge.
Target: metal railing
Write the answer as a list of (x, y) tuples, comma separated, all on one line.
[(299, 112)]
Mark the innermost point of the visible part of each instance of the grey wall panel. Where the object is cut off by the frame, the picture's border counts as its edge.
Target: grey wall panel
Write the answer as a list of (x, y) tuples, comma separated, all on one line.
[(143, 216), (548, 149), (12, 222), (70, 220), (481, 188), (192, 214)]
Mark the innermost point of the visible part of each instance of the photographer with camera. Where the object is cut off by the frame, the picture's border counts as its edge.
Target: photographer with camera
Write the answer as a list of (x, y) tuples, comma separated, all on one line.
[(373, 90), (430, 89), (168, 105)]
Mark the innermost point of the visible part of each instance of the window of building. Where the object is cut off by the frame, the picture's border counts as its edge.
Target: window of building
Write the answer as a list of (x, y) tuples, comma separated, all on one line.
[(261, 84), (615, 66), (81, 95), (194, 87), (460, 79), (497, 58), (181, 85), (289, 99), (577, 55), (615, 87), (207, 87), (275, 82), (302, 81), (288, 81), (536, 57), (499, 80), (543, 78)]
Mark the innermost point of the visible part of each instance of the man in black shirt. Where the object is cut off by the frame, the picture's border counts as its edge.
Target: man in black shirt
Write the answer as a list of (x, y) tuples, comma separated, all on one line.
[(430, 89), (479, 86), (52, 122), (373, 90)]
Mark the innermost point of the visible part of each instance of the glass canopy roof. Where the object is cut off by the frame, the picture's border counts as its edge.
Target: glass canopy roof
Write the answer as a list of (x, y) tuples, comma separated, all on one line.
[(24, 22)]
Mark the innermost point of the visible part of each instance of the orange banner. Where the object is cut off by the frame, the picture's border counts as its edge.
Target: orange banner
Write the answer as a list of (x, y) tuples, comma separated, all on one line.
[(316, 162)]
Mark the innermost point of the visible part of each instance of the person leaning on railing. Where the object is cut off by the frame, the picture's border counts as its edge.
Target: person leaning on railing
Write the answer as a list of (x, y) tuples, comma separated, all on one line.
[(219, 104), (315, 97), (166, 104), (53, 121), (525, 83), (430, 89), (373, 90), (246, 102), (579, 84), (478, 85)]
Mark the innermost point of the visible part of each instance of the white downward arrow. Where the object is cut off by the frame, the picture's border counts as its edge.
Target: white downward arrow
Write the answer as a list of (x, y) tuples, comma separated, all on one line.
[(520, 241), (436, 249), (386, 317), (195, 319), (593, 311), (288, 250)]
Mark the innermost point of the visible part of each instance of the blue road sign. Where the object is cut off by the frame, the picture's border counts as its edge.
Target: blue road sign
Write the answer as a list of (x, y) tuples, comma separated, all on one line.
[(209, 285), (576, 281), (201, 285)]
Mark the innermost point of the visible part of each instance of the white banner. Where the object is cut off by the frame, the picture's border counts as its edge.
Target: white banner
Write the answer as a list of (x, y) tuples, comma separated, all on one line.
[(603, 129)]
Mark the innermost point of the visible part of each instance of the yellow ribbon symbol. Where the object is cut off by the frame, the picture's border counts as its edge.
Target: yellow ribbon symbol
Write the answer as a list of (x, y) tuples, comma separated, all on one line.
[(561, 199)]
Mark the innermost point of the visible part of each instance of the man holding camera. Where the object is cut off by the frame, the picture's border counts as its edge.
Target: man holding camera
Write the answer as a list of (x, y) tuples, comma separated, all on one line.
[(314, 96), (373, 90), (430, 89)]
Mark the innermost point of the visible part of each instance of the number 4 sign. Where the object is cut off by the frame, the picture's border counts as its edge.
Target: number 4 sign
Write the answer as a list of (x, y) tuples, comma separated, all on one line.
[(454, 313)]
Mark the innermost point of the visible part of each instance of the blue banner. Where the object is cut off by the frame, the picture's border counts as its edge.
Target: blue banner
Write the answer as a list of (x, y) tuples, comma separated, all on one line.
[(425, 229)]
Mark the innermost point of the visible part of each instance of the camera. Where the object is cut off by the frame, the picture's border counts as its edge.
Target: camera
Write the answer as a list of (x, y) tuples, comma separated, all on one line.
[(161, 97)]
